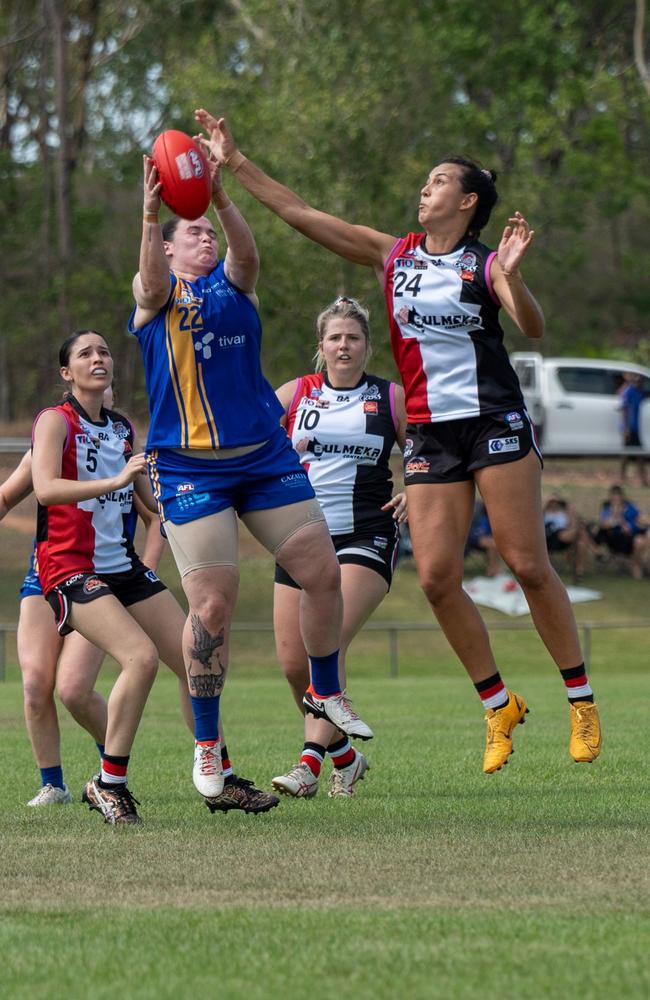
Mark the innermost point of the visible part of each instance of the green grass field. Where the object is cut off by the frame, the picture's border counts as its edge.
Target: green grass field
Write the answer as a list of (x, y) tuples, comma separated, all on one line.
[(434, 881)]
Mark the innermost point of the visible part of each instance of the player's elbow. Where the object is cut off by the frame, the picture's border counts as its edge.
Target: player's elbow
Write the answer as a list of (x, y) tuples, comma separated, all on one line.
[(46, 492), (152, 295)]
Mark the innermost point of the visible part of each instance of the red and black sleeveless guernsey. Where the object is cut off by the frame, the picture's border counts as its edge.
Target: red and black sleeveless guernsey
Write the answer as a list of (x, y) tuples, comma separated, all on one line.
[(445, 332), (344, 439), (91, 536)]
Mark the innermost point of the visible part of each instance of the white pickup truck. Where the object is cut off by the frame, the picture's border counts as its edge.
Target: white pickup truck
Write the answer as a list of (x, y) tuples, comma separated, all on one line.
[(575, 403)]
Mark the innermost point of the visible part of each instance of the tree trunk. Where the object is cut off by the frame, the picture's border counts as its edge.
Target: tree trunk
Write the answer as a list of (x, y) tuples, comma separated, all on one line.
[(55, 14)]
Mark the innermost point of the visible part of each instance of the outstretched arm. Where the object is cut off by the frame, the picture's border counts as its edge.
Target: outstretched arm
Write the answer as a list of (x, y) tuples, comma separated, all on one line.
[(151, 283), (359, 244), (520, 304), (242, 263), (17, 486)]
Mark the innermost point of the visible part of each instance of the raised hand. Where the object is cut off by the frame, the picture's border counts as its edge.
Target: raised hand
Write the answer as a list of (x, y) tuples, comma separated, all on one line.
[(220, 141), (152, 186), (517, 237)]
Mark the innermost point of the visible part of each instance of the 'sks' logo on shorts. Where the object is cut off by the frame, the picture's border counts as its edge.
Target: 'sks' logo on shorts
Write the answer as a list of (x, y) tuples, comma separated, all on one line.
[(498, 445)]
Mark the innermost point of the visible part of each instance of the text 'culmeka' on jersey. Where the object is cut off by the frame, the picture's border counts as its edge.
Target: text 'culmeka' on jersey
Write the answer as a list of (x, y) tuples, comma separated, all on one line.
[(344, 439), (445, 332), (90, 535)]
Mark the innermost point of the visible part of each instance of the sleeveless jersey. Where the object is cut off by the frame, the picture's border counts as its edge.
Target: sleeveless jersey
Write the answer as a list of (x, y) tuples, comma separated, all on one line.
[(445, 332), (202, 366), (91, 536), (344, 439)]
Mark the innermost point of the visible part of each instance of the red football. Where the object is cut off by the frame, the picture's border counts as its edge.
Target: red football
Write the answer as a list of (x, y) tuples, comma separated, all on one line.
[(184, 173)]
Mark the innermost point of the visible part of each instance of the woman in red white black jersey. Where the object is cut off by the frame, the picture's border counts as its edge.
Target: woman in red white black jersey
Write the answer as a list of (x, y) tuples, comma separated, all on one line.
[(86, 478), (343, 423), (467, 424)]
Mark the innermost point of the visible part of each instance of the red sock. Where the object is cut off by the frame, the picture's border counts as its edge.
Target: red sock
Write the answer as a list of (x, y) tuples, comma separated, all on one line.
[(341, 752), (313, 755)]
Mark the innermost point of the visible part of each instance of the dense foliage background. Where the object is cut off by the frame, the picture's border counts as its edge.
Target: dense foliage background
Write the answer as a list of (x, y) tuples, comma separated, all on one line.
[(349, 101)]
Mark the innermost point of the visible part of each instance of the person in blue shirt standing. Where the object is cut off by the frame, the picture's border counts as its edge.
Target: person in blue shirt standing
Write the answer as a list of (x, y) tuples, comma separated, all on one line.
[(632, 396), (216, 451)]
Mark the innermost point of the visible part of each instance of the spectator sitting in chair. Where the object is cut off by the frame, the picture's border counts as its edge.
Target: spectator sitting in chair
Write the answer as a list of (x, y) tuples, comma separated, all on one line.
[(621, 530), (565, 533), (479, 539)]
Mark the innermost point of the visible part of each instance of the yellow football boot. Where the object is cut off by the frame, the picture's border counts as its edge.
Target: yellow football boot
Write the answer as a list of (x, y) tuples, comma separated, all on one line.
[(500, 723), (586, 738)]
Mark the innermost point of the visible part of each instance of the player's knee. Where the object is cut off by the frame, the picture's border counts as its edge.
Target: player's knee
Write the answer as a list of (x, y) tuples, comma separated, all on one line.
[(213, 608), (73, 692), (439, 585), (320, 576), (37, 695), (142, 664), (530, 571)]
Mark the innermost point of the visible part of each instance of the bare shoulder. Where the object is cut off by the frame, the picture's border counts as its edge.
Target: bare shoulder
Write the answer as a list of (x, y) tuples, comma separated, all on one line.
[(286, 392)]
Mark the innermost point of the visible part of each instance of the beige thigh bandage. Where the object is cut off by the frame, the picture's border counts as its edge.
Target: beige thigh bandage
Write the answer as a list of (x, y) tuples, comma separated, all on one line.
[(210, 541), (275, 526)]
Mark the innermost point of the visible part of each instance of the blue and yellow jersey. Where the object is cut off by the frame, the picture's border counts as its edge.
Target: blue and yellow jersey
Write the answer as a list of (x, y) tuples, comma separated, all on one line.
[(202, 367)]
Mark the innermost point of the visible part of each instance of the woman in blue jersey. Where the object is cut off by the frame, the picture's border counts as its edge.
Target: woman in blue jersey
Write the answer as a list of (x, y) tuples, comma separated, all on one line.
[(216, 452), (343, 424), (468, 427)]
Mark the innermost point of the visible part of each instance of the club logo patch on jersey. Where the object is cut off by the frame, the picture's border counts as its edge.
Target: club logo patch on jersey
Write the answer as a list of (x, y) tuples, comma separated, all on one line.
[(416, 465), (514, 420), (120, 430), (316, 393), (372, 406), (466, 265), (408, 448), (151, 576), (372, 392), (93, 584), (496, 446)]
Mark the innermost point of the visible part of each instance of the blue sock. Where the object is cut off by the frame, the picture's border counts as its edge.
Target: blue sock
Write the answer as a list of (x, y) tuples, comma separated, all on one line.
[(324, 672), (52, 776), (206, 718)]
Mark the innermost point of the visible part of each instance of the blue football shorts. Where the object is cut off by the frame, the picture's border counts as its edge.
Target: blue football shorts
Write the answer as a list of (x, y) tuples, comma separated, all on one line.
[(188, 488)]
